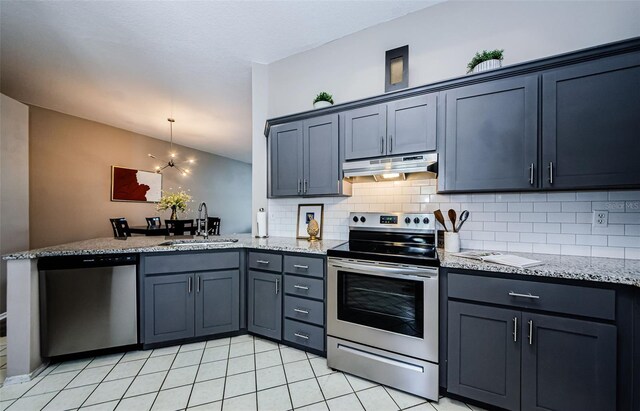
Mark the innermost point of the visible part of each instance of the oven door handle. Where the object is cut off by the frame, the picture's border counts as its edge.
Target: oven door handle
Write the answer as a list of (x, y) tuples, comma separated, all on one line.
[(382, 270)]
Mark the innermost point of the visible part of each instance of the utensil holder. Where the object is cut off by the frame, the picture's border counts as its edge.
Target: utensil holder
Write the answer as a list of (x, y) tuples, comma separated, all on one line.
[(451, 242)]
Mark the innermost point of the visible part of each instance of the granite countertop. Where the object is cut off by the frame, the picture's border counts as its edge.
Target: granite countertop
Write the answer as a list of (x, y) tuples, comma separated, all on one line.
[(608, 270), (144, 244)]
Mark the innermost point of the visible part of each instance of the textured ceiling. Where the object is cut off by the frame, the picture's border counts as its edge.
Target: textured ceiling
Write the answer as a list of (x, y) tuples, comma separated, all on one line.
[(131, 64)]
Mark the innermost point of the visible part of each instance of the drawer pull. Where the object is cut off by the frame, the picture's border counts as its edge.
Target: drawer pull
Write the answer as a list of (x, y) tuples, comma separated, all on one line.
[(262, 261), (515, 329), (530, 332), (304, 267), (512, 294), (306, 337), (298, 310), (302, 287)]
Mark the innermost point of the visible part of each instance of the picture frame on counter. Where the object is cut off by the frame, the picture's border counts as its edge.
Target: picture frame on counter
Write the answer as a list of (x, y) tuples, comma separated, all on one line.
[(130, 184), (305, 213)]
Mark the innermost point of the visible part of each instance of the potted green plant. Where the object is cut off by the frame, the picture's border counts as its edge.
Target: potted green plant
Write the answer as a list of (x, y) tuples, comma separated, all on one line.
[(175, 201), (487, 60), (323, 99)]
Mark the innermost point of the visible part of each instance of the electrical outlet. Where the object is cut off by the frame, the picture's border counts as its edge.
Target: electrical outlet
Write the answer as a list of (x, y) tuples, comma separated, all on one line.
[(600, 218)]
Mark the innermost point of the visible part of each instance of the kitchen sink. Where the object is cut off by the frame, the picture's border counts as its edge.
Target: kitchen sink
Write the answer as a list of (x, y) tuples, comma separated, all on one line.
[(198, 241)]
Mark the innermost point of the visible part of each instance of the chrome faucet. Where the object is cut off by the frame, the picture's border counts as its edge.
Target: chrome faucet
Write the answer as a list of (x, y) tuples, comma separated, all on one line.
[(206, 221)]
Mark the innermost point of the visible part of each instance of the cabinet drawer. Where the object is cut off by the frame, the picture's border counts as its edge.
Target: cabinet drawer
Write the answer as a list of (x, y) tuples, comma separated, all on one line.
[(304, 287), (265, 261), (304, 334), (176, 263), (312, 266), (304, 310), (560, 298)]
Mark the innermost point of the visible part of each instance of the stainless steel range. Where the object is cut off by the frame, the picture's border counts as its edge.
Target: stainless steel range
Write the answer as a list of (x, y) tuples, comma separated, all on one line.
[(382, 315)]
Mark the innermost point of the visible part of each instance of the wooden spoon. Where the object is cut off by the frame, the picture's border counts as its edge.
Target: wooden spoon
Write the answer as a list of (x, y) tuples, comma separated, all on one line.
[(440, 218), (452, 217)]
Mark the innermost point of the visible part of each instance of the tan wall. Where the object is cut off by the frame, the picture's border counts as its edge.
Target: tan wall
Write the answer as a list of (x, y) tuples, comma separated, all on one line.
[(70, 179), (14, 183)]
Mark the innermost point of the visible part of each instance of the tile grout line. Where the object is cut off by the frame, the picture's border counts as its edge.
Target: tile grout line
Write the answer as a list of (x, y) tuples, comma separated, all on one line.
[(134, 378), (165, 377), (65, 386), (193, 384)]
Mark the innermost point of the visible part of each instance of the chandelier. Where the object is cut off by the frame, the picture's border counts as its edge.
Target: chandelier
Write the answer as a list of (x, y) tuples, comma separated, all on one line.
[(172, 155)]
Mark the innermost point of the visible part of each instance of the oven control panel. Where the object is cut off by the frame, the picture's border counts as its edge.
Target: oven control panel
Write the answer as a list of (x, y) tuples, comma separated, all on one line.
[(392, 221)]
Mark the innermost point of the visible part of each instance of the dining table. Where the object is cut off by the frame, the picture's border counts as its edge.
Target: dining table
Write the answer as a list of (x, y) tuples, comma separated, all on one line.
[(163, 230)]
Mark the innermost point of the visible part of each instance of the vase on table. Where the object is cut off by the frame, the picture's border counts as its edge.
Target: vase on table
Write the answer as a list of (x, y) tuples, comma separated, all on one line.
[(174, 215)]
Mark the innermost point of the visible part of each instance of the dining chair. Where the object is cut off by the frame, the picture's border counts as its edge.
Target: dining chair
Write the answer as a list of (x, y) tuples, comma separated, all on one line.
[(120, 227), (153, 222), (214, 225), (180, 227)]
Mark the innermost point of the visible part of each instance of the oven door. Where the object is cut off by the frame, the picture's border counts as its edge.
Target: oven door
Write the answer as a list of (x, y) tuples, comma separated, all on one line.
[(393, 307)]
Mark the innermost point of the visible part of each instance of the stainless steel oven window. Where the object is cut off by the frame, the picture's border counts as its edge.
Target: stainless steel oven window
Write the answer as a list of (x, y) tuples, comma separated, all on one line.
[(386, 303)]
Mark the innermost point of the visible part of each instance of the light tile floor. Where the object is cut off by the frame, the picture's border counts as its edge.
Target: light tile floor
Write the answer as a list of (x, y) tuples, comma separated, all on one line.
[(240, 373)]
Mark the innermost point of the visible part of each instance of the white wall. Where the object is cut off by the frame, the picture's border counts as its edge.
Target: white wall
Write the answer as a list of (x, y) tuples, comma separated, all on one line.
[(14, 183), (259, 107), (442, 39)]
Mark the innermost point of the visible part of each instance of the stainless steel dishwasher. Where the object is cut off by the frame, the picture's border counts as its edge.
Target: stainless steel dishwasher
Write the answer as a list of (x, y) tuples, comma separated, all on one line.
[(87, 303)]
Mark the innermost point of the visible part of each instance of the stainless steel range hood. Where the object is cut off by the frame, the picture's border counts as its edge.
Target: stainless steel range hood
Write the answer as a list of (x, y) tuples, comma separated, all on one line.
[(407, 167)]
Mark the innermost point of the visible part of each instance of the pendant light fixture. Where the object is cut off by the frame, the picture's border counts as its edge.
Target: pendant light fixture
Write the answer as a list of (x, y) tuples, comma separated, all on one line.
[(172, 155)]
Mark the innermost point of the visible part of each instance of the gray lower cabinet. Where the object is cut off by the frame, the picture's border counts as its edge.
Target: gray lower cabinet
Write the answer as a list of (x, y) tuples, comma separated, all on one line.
[(169, 308), (217, 302), (265, 304), (304, 158), (491, 136), (399, 127), (484, 354), (590, 124), (568, 364)]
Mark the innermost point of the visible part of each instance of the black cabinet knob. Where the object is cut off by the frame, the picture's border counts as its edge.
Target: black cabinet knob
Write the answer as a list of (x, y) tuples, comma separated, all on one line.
[(362, 219), (407, 220), (416, 220), (425, 220), (355, 219)]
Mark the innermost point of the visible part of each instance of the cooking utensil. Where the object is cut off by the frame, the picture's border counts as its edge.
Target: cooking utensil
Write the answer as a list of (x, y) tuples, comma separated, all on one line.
[(440, 218), (452, 218), (463, 217)]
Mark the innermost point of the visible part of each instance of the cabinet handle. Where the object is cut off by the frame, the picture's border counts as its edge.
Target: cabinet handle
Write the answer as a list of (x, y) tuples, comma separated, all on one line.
[(390, 143), (551, 172), (198, 285), (382, 145), (262, 261), (515, 329), (302, 287), (298, 310), (531, 174), (530, 332), (299, 185), (277, 286), (306, 337), (304, 267), (190, 286), (512, 294), (305, 186)]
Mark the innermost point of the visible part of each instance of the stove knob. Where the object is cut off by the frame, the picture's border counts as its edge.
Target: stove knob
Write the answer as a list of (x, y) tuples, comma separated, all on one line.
[(362, 219), (416, 220), (355, 219), (425, 220), (407, 220)]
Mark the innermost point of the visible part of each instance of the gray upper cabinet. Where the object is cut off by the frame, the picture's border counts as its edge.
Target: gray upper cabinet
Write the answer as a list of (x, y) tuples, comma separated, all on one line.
[(265, 304), (491, 136), (399, 127), (484, 354), (304, 158), (365, 132), (286, 159), (568, 364), (590, 124), (169, 307), (321, 156), (217, 302), (411, 126)]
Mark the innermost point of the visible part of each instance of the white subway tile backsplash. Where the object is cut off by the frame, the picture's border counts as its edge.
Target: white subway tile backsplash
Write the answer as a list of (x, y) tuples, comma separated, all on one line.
[(553, 223)]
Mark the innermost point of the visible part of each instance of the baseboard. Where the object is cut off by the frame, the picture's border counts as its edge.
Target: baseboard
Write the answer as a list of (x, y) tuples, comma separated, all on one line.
[(18, 379)]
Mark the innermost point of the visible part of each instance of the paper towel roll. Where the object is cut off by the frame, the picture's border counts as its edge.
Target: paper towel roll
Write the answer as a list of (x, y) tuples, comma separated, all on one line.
[(261, 219)]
